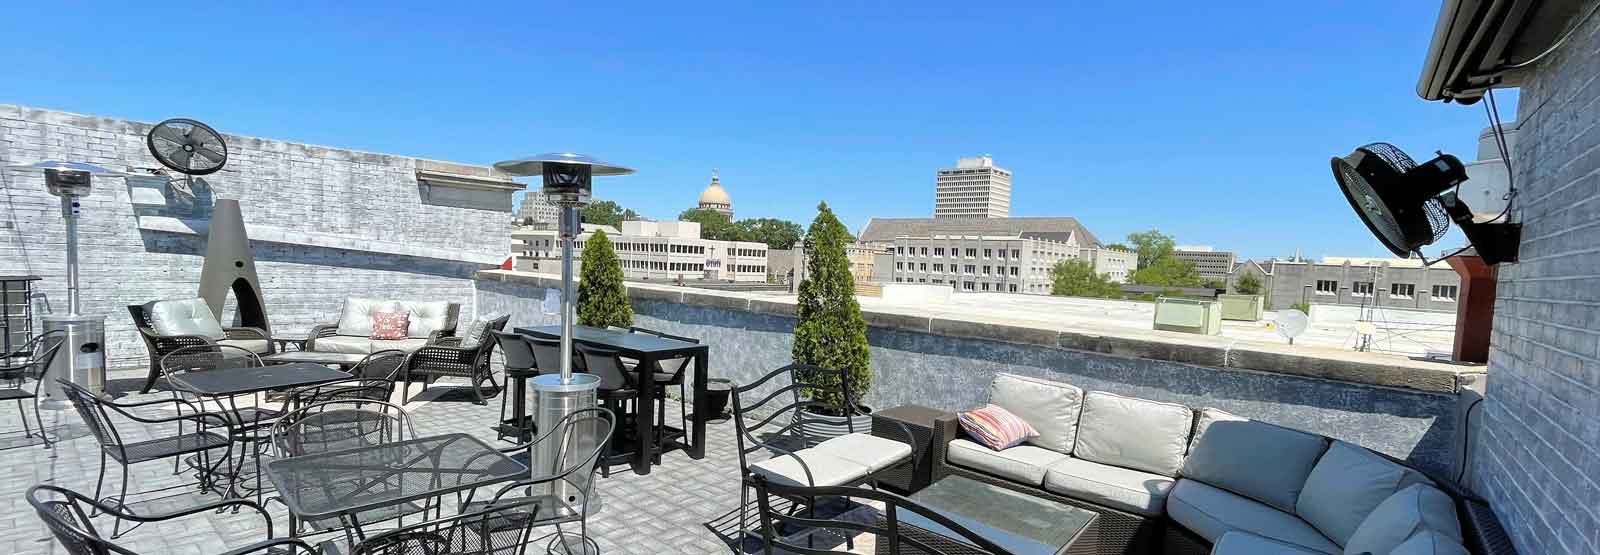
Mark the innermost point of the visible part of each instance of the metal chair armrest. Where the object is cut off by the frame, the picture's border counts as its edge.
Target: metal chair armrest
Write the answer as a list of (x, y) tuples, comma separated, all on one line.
[(319, 331), (437, 336), (120, 514), (245, 332), (295, 545)]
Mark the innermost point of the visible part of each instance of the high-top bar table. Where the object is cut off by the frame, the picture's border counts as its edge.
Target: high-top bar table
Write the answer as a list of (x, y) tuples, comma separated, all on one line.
[(648, 350)]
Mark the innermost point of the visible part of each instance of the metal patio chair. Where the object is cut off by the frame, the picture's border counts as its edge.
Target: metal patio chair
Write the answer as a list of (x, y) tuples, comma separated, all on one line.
[(343, 424), (372, 379), (891, 535), (666, 377), (67, 513), (30, 362), (499, 528)]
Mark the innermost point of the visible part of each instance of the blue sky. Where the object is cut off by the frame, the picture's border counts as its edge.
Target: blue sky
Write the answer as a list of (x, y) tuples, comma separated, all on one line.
[(1210, 122)]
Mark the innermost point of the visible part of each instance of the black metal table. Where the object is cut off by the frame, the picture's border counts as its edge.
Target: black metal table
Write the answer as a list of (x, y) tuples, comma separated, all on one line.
[(1020, 523), (648, 350), (347, 482)]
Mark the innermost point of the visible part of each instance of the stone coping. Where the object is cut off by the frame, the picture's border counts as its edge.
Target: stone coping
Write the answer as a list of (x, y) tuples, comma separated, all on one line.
[(1220, 352)]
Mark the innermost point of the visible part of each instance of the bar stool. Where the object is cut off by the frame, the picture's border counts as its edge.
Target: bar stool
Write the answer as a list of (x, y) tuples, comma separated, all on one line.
[(615, 392), (520, 365), (665, 379)]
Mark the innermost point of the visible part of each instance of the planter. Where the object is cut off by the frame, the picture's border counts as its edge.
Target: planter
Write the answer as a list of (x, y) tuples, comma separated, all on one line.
[(821, 427), (717, 392)]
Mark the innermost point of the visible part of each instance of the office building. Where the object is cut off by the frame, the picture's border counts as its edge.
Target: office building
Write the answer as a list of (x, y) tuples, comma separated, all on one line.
[(537, 212), (1382, 282), (977, 263), (1116, 264), (975, 188), (1212, 264), (651, 251)]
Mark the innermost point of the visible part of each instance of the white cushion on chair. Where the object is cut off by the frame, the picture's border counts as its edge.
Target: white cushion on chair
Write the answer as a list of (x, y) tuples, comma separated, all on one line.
[(874, 452), (1023, 463), (356, 319), (824, 469), (257, 346), (184, 317), (1050, 407), (427, 317), (1140, 434)]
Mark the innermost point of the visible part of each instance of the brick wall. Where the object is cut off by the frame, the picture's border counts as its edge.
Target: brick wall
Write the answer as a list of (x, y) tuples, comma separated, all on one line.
[(1538, 458), (353, 197)]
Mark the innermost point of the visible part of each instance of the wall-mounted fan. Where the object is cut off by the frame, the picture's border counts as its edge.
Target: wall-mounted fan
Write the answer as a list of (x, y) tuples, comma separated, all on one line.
[(1409, 206), (188, 147)]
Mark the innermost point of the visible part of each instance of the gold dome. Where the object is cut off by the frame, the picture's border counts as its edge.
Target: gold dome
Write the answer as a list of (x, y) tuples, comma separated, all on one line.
[(714, 195)]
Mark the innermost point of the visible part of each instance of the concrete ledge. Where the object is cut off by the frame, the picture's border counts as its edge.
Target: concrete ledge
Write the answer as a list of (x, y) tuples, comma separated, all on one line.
[(1211, 351), (274, 234)]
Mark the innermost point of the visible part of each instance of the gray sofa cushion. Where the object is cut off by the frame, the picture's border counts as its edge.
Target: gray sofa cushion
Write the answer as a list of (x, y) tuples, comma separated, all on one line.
[(874, 452), (1245, 543), (257, 346), (1134, 433), (356, 318), (1429, 542), (1050, 407), (1023, 463), (1417, 507), (184, 317), (1124, 489), (814, 468), (1347, 483), (472, 333), (427, 317), (363, 345), (1212, 512), (1258, 460)]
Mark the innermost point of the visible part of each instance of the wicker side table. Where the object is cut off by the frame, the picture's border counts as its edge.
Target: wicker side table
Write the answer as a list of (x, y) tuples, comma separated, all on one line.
[(919, 420)]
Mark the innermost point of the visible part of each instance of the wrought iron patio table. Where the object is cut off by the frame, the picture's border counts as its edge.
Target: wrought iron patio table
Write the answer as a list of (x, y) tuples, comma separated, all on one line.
[(648, 350), (1020, 523), (343, 360), (344, 483)]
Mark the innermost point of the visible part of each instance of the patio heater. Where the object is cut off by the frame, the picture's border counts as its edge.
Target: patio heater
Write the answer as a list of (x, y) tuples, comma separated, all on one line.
[(82, 358)]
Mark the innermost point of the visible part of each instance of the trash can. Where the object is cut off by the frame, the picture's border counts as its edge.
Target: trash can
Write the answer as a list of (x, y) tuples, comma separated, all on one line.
[(81, 360)]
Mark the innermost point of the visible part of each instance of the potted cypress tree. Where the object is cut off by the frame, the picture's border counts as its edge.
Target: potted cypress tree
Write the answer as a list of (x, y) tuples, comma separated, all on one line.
[(602, 300), (829, 333)]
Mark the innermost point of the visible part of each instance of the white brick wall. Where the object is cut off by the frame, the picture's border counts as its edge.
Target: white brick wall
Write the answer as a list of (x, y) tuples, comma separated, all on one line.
[(297, 187), (1538, 459)]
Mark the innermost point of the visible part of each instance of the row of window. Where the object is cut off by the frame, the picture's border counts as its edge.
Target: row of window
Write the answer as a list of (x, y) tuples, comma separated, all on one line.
[(968, 269), (659, 247), (1396, 290), (749, 252), (663, 266), (748, 268), (965, 285), (971, 252)]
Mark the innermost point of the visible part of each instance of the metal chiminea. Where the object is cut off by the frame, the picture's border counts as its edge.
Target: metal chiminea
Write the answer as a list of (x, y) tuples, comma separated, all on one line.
[(82, 359)]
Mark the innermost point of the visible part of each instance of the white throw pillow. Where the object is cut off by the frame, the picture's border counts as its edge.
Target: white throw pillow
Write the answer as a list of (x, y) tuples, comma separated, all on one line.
[(1133, 433), (1050, 407), (1418, 507), (1255, 459), (1345, 486)]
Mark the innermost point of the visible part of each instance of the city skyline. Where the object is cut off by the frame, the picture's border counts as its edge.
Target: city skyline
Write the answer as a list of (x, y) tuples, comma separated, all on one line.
[(1126, 118)]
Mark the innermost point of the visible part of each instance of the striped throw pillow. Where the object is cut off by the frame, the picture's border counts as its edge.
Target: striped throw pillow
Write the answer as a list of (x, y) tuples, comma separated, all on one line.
[(996, 427)]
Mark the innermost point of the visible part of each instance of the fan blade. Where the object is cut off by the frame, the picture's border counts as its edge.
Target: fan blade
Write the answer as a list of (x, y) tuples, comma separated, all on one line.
[(212, 157), (180, 157), (169, 133)]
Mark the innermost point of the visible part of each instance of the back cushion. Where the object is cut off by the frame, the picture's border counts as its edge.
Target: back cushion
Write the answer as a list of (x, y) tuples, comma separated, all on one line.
[(356, 319), (1133, 433), (1050, 407), (184, 317), (1257, 460), (427, 317), (1345, 486), (1420, 507)]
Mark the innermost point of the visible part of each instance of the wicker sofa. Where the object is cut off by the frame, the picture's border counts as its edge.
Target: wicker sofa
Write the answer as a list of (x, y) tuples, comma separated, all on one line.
[(431, 322), (1166, 478)]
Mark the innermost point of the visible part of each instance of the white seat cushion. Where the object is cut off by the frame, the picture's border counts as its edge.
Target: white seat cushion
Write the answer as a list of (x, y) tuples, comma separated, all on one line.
[(1347, 483), (1211, 512), (1245, 543), (427, 317), (257, 346), (1258, 460), (1023, 463), (363, 345), (1133, 433), (184, 317), (1125, 489), (1415, 508), (407, 345), (819, 469), (356, 318), (874, 452), (1050, 407)]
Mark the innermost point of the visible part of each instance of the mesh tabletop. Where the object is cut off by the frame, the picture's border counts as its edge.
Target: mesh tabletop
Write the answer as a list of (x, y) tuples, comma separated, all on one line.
[(235, 381), (1020, 523), (364, 478), (315, 357)]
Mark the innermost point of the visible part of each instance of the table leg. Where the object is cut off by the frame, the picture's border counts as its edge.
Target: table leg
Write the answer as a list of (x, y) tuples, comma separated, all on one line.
[(644, 415), (519, 400), (697, 446)]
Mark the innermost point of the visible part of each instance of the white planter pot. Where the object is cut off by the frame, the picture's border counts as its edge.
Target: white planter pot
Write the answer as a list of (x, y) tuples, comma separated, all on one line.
[(821, 427)]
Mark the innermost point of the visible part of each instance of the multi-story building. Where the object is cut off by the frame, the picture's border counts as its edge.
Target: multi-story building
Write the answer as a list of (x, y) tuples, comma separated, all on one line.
[(997, 263), (975, 188), (1116, 264), (537, 212), (864, 260), (652, 251), (1212, 264), (1380, 282)]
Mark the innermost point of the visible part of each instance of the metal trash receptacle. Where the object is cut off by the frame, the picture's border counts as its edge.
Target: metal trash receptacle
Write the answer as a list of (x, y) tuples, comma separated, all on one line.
[(82, 359)]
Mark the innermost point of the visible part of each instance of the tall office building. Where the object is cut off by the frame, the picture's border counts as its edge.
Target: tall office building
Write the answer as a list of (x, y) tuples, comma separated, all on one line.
[(1210, 263), (536, 211), (975, 188)]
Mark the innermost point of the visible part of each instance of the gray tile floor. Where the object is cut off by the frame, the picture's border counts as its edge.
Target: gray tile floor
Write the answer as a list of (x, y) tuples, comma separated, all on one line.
[(682, 506)]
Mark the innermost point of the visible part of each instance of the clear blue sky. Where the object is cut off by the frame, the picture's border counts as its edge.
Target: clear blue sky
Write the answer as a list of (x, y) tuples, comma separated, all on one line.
[(1210, 121)]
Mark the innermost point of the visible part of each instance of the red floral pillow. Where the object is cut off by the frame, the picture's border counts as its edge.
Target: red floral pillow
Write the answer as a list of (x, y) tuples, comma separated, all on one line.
[(390, 325), (996, 427)]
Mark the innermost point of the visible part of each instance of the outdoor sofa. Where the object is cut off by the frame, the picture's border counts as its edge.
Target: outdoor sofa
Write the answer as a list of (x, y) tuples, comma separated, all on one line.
[(430, 321), (1167, 478)]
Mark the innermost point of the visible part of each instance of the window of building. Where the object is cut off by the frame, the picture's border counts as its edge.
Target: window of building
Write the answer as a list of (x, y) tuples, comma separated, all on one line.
[(924, 251), (988, 253), (1016, 253), (923, 266), (1002, 254), (1444, 293), (938, 267), (1402, 290), (966, 286), (938, 251), (1013, 288), (969, 269), (972, 253), (899, 265), (900, 250), (1361, 288), (1327, 287), (986, 286), (986, 270)]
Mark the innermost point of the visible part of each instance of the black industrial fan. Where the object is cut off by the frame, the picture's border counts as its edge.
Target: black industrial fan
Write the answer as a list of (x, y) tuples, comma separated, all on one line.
[(188, 147), (1409, 206)]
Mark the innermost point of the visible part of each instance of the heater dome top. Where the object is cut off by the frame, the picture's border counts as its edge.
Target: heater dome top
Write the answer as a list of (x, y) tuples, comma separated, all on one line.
[(534, 165)]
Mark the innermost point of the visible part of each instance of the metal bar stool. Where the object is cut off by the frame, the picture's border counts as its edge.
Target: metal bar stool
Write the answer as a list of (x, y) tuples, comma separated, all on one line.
[(520, 365)]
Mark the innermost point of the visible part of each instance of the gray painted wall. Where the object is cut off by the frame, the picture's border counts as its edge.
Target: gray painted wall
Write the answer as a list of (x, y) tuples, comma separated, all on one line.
[(953, 373)]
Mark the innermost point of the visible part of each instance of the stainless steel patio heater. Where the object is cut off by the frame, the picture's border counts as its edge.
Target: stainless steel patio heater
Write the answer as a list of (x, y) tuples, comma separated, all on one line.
[(82, 358)]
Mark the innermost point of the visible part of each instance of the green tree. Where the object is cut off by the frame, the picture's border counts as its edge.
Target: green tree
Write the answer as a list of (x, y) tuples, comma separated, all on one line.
[(1118, 246), (1077, 278), (1167, 271), (775, 233), (713, 224), (605, 212), (602, 300), (1152, 246), (829, 332), (1248, 284)]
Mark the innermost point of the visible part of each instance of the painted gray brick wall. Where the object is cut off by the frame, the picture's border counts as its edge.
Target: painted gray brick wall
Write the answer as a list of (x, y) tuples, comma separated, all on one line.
[(298, 187), (1538, 459), (953, 374)]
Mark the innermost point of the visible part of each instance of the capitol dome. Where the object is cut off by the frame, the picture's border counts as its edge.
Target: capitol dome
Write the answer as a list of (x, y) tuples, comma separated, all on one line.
[(714, 197)]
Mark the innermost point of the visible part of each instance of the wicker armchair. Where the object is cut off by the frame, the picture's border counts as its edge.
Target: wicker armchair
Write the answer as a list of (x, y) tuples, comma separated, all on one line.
[(160, 345), (448, 358)]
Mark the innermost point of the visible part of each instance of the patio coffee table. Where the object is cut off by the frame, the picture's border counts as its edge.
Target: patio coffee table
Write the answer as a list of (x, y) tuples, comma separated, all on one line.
[(343, 360), (1020, 523)]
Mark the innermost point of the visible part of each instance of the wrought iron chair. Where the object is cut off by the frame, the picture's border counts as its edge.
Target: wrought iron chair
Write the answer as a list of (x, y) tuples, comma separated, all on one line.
[(159, 345), (447, 357), (674, 377), (372, 379), (213, 358), (766, 417), (615, 392), (892, 536), (67, 513), (36, 357), (563, 461), (500, 528), (200, 442), (344, 424)]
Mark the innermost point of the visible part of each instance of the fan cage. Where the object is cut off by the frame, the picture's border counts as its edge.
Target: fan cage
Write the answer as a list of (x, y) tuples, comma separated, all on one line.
[(1432, 209)]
